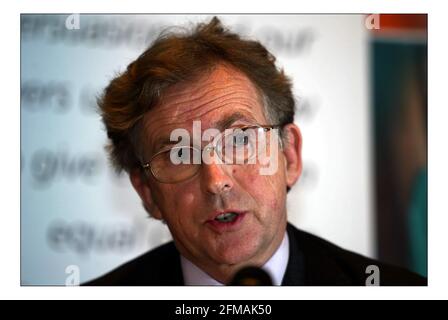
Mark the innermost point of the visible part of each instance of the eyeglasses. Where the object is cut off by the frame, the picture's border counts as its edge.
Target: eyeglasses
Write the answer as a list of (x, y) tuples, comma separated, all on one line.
[(234, 146)]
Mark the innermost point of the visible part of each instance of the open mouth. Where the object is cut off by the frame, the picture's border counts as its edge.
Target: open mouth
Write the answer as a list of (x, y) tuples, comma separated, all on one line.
[(227, 217), (227, 221)]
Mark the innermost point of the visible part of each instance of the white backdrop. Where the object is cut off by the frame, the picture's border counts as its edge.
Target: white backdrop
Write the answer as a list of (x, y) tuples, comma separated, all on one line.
[(76, 212)]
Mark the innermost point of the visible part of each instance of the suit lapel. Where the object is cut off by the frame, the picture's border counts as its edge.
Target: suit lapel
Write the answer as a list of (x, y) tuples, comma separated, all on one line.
[(309, 264)]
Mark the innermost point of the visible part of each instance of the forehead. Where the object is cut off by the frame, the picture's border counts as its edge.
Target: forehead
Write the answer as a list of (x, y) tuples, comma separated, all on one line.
[(224, 95)]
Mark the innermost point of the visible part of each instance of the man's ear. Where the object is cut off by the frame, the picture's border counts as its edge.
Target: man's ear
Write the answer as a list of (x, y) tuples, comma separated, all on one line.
[(292, 150), (141, 185)]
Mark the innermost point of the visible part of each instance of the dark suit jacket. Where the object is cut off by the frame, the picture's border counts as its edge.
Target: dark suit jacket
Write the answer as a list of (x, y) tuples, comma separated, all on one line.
[(312, 262)]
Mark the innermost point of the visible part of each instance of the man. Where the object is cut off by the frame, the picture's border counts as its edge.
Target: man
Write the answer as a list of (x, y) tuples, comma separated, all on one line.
[(222, 196)]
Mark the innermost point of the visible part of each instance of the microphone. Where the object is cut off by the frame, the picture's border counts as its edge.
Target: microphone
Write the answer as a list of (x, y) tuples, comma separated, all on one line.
[(251, 276)]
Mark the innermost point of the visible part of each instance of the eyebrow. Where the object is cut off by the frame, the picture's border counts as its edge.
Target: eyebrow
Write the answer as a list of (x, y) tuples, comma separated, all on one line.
[(227, 121), (163, 143)]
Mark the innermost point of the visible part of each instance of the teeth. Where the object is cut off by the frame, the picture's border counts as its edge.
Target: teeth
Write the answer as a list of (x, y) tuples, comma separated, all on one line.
[(226, 217)]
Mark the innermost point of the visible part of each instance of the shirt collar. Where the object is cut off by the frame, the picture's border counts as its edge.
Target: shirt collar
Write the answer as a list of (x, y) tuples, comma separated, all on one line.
[(275, 267)]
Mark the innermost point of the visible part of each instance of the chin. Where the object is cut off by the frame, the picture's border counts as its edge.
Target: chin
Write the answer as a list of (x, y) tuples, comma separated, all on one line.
[(239, 254)]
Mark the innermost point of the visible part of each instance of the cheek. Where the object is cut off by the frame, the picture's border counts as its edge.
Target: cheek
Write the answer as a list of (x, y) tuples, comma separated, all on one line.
[(274, 204), (183, 198), (268, 191), (247, 175), (176, 200)]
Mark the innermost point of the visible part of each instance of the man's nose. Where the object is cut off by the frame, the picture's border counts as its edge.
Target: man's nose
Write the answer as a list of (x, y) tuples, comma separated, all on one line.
[(215, 178)]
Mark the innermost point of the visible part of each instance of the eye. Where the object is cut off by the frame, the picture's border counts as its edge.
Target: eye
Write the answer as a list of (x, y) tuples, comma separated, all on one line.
[(179, 153), (240, 139)]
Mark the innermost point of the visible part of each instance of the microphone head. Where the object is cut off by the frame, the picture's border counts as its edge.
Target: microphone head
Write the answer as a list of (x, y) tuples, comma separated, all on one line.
[(251, 276)]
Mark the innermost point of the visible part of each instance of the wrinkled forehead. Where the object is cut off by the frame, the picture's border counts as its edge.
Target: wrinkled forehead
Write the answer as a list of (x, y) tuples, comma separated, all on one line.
[(218, 100)]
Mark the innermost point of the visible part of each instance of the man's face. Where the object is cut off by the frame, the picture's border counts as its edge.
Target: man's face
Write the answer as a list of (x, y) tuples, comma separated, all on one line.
[(224, 97)]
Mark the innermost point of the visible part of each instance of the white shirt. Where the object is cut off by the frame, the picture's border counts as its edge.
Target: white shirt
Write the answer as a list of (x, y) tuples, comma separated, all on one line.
[(275, 267)]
